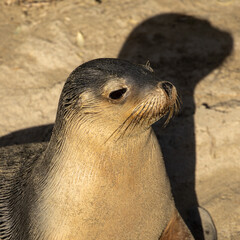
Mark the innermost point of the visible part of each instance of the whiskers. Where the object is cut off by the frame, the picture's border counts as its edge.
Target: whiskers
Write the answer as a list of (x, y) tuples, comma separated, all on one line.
[(145, 114)]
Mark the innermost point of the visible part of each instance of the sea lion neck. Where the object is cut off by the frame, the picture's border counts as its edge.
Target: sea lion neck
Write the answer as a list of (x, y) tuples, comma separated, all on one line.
[(77, 147)]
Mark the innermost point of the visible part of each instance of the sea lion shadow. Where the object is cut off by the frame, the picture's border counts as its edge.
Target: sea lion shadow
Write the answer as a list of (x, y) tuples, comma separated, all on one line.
[(35, 134), (183, 50)]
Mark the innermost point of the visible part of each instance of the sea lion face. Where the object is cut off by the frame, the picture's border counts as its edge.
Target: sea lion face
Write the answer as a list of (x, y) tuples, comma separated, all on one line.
[(115, 98)]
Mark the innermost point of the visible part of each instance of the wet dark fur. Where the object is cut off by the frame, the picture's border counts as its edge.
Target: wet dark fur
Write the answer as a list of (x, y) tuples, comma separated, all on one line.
[(16, 164)]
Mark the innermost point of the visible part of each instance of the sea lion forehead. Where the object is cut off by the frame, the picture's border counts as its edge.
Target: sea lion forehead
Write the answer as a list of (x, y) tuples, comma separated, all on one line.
[(101, 71), (113, 65)]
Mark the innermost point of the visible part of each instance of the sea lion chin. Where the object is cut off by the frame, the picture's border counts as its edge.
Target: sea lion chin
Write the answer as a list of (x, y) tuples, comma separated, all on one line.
[(102, 175)]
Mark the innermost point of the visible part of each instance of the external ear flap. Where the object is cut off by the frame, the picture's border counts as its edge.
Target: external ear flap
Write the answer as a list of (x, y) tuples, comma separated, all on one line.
[(148, 67), (176, 230)]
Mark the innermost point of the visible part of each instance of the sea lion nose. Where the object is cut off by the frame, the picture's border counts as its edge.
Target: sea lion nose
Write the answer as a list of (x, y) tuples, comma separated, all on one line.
[(167, 86)]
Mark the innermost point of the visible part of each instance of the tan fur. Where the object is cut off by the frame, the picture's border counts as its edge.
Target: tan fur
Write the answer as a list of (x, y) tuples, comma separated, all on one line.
[(112, 198), (102, 175)]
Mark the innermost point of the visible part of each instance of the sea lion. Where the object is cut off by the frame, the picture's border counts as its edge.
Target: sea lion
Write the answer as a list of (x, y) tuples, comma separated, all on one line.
[(102, 175)]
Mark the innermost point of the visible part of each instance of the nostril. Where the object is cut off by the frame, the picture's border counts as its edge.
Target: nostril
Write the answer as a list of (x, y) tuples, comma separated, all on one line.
[(167, 86)]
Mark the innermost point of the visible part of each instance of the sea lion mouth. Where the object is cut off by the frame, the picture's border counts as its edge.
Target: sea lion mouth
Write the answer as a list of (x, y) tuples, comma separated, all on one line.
[(164, 100), (173, 100)]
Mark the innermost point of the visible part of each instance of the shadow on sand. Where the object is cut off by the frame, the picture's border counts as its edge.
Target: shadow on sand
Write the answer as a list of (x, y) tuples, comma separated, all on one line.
[(29, 135)]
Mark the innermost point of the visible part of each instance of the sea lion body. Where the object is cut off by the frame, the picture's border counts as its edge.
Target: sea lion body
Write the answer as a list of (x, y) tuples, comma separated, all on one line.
[(102, 175), (109, 197)]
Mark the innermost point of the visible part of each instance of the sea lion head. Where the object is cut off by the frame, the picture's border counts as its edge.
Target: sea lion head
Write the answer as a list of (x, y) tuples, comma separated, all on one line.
[(114, 98)]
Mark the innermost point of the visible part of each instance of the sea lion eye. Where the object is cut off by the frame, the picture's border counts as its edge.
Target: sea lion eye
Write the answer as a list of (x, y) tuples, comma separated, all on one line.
[(117, 94)]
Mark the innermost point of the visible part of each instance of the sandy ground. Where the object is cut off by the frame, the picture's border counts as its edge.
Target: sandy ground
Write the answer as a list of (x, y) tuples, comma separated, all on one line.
[(193, 43)]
